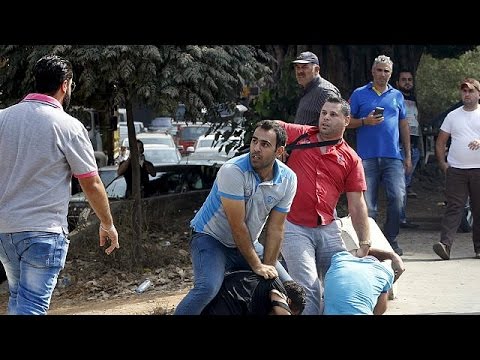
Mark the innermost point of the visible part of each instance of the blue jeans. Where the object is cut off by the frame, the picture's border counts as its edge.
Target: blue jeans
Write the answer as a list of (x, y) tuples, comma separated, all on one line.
[(32, 262), (210, 260), (390, 172), (415, 153)]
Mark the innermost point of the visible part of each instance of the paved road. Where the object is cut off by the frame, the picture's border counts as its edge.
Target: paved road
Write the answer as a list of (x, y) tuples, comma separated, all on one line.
[(434, 286)]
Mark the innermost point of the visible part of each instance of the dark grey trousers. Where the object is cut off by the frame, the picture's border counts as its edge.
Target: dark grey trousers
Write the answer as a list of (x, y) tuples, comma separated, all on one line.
[(459, 185)]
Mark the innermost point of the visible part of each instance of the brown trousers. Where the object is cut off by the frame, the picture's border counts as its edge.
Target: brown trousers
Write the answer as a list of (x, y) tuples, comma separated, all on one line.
[(459, 185)]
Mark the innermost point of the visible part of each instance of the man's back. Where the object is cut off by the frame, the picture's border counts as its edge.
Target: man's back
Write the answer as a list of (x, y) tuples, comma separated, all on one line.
[(41, 147), (243, 293), (353, 285)]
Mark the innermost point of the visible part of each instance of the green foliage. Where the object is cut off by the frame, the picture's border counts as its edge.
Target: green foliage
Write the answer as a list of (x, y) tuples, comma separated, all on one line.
[(448, 51), (159, 76), (438, 80), (279, 100), (16, 71)]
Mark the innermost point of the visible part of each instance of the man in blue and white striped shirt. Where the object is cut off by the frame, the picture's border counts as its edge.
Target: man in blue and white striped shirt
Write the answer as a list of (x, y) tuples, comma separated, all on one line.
[(248, 190)]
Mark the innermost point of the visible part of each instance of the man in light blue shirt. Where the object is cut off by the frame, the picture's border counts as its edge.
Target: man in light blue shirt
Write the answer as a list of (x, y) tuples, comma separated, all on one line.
[(359, 286)]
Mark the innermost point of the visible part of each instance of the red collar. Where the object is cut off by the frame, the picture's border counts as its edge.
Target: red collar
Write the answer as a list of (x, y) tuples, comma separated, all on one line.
[(44, 99)]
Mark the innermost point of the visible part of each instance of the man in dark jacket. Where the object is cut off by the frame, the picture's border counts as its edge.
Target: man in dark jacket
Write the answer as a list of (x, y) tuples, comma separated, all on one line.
[(245, 293), (315, 89)]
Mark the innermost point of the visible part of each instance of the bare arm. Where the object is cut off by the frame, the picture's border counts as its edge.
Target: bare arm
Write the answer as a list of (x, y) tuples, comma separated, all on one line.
[(381, 305), (98, 200), (359, 214), (440, 148), (122, 168), (150, 168), (274, 237), (235, 211), (397, 263)]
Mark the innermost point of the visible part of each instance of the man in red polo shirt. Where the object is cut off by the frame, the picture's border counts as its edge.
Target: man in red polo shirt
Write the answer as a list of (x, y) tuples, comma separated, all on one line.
[(312, 235)]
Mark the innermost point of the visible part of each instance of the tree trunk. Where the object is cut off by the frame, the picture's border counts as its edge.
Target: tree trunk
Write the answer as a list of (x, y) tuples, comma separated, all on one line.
[(137, 220), (349, 66)]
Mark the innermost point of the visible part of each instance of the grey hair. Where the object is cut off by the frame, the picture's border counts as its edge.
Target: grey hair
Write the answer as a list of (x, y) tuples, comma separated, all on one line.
[(382, 59)]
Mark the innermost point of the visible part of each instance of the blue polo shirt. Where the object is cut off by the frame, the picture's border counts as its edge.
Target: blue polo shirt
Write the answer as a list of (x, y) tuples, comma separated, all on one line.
[(237, 180), (382, 140)]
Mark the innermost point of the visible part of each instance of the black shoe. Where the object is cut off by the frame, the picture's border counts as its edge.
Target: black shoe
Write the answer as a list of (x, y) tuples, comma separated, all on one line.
[(398, 251), (408, 225), (442, 250)]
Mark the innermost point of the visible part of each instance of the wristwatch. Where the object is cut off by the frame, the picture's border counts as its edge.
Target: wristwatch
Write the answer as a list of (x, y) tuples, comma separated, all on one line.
[(368, 243)]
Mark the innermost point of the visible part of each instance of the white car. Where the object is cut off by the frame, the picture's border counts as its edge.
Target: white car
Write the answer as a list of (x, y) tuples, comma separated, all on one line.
[(154, 138), (161, 154), (208, 149), (162, 124)]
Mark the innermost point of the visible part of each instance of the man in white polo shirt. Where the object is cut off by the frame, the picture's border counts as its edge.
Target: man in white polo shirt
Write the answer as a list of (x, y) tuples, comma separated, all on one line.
[(41, 147)]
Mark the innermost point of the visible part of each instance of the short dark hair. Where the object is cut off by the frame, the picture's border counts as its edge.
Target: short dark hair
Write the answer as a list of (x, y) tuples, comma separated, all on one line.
[(279, 131), (297, 295), (405, 70), (50, 72), (344, 104)]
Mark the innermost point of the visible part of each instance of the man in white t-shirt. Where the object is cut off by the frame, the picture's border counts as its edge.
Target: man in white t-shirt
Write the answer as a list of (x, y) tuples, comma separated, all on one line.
[(462, 167)]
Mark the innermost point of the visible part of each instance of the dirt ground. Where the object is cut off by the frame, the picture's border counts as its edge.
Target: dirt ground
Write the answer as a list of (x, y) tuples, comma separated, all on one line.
[(91, 286)]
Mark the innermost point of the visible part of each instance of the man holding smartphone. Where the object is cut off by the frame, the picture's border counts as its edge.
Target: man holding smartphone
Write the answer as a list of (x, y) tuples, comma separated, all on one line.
[(378, 112), (378, 144)]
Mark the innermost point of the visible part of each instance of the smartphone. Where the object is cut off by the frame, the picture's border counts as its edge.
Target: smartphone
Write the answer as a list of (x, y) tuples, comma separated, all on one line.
[(378, 112)]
